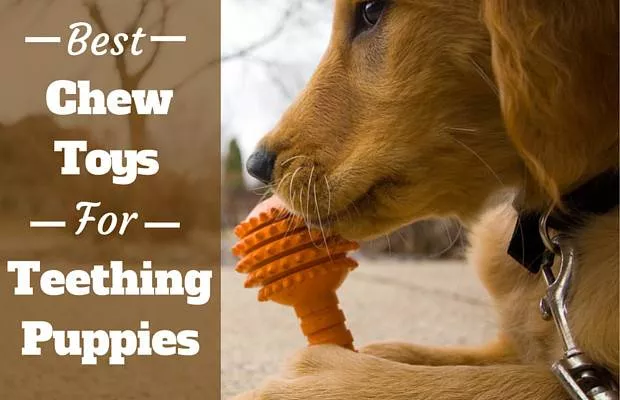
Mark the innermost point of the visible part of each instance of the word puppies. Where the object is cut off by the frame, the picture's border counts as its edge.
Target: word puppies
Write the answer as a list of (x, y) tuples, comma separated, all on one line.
[(195, 285), (116, 344)]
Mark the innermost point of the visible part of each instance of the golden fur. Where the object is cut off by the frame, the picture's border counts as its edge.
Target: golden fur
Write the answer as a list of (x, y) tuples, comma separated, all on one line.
[(433, 113)]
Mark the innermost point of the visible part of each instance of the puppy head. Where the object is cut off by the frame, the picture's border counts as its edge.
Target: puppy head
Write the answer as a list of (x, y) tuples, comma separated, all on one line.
[(401, 121)]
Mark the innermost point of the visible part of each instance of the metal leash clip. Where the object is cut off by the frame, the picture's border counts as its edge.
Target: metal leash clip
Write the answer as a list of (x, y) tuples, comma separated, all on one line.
[(579, 376)]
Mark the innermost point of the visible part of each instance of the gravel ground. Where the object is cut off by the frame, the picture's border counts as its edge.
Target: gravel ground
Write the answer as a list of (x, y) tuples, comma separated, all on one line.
[(434, 303)]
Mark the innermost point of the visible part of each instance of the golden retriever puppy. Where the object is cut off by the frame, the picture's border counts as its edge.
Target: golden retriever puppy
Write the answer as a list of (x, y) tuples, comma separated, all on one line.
[(425, 108)]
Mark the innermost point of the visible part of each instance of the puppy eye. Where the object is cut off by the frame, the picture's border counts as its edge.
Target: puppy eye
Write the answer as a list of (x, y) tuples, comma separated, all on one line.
[(368, 15), (372, 11)]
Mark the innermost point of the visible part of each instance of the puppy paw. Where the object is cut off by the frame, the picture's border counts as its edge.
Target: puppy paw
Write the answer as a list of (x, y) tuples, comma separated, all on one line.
[(319, 373)]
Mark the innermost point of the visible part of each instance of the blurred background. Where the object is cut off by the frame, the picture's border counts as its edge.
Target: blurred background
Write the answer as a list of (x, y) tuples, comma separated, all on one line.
[(412, 285)]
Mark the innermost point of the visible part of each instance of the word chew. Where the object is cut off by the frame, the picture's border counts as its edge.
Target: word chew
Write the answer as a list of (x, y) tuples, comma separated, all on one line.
[(65, 97)]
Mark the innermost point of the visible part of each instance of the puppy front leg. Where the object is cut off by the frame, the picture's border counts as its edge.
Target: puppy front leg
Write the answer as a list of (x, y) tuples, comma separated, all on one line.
[(332, 373), (497, 352)]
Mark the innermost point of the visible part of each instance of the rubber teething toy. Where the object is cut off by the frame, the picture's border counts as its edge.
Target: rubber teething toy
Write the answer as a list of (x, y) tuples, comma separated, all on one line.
[(294, 267)]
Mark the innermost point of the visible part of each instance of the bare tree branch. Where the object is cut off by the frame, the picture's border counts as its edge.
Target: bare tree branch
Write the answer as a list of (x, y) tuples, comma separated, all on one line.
[(247, 50), (43, 5), (94, 11), (275, 74), (162, 31), (277, 31), (133, 26), (131, 80), (171, 5), (13, 4)]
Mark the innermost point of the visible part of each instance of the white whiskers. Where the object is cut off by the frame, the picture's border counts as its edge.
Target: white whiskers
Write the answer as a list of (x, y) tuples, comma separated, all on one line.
[(283, 163), (451, 242), (486, 164), (316, 205), (309, 185), (329, 196), (485, 77)]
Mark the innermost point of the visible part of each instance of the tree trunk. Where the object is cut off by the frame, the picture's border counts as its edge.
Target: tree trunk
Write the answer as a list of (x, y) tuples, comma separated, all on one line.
[(137, 131)]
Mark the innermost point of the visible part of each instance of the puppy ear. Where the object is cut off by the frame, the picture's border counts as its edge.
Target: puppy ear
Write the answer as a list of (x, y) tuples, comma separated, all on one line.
[(556, 65)]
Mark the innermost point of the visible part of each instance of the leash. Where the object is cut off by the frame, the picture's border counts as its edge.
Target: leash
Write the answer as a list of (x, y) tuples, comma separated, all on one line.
[(578, 374), (535, 248)]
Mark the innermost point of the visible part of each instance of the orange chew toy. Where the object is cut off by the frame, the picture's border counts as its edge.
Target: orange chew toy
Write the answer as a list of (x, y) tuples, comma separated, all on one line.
[(293, 267)]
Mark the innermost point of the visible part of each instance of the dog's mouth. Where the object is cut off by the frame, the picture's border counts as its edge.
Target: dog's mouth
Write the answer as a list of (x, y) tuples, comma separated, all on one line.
[(331, 221), (316, 209), (321, 215), (337, 199)]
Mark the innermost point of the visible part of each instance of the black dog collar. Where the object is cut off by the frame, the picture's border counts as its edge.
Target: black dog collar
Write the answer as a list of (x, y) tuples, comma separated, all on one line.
[(596, 197)]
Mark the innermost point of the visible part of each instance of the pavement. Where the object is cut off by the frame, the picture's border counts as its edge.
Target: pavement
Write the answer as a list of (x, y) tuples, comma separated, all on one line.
[(424, 302)]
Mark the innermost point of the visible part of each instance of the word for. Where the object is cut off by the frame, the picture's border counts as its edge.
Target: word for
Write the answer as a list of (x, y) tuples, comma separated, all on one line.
[(65, 97), (108, 221), (125, 165), (115, 344), (102, 42), (114, 281)]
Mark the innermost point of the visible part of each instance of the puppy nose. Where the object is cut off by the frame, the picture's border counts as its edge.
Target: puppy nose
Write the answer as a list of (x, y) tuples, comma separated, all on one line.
[(260, 165)]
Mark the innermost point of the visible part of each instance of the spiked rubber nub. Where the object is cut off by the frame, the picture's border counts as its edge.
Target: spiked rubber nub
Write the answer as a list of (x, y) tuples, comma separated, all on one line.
[(298, 267)]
